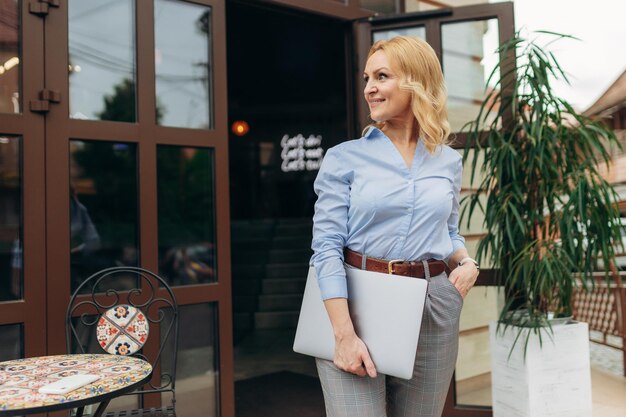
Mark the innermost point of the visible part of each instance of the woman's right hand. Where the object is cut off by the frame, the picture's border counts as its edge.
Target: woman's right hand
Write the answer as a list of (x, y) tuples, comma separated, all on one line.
[(351, 355)]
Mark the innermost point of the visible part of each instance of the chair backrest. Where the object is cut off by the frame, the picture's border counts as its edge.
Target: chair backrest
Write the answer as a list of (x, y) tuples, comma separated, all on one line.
[(122, 302)]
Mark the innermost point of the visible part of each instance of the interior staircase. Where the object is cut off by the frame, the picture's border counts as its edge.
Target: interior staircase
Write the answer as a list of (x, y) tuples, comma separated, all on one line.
[(269, 266)]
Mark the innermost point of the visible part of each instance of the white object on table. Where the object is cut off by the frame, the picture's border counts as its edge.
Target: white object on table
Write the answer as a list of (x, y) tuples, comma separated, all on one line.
[(69, 383)]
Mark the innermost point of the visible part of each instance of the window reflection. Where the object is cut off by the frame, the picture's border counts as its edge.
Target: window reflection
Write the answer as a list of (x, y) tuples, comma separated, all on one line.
[(102, 60), (183, 64), (469, 57), (11, 258), (11, 342), (103, 207), (197, 371), (10, 73), (186, 206), (380, 6)]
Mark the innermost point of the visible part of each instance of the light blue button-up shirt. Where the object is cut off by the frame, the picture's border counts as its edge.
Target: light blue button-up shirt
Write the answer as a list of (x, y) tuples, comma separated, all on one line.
[(369, 201)]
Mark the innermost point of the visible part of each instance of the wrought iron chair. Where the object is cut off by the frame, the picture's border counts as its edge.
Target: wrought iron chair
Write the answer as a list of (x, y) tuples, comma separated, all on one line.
[(121, 303)]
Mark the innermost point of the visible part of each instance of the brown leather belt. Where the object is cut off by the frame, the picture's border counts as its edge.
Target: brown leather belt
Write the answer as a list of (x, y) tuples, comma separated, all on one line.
[(397, 266)]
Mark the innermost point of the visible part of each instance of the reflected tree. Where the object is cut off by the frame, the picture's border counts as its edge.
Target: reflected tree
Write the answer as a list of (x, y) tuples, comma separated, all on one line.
[(106, 177), (186, 213), (121, 107), (185, 194), (203, 23), (112, 204)]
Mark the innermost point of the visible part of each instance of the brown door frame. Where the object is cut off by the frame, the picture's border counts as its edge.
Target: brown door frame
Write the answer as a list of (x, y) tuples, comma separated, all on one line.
[(346, 9), (30, 310), (147, 135)]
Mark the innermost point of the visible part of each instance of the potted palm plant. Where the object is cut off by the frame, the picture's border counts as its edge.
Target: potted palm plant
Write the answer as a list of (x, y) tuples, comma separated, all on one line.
[(549, 216)]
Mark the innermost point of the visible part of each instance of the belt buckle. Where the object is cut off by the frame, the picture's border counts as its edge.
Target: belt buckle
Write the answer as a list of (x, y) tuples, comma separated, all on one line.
[(391, 263)]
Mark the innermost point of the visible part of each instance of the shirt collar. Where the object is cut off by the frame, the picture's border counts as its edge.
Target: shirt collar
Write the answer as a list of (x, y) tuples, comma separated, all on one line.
[(372, 132)]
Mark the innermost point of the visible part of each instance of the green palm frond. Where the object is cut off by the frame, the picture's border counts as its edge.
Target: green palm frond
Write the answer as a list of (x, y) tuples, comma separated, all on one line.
[(549, 214)]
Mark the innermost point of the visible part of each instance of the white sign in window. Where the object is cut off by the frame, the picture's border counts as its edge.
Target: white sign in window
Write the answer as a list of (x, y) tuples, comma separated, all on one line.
[(300, 153)]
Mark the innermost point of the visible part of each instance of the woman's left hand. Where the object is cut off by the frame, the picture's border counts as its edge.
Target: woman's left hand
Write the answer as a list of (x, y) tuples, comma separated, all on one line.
[(463, 277)]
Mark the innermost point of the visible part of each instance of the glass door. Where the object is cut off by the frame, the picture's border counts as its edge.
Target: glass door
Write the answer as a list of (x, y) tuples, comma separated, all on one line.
[(465, 40), (137, 172), (22, 250)]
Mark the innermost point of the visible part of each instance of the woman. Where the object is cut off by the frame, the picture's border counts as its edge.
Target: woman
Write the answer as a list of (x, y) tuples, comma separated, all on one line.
[(393, 194)]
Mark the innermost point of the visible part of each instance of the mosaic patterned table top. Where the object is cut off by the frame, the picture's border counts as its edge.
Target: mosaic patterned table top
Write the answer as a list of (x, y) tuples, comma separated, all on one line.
[(21, 379)]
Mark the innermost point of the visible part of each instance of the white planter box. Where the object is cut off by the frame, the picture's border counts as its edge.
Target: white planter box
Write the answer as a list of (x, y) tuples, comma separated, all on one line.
[(553, 381)]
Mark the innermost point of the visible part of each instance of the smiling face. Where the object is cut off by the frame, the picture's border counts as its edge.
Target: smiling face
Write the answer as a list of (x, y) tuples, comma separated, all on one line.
[(387, 102)]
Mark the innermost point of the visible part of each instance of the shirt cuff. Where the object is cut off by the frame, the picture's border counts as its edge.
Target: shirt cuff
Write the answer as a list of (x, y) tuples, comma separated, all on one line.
[(333, 287), (457, 244)]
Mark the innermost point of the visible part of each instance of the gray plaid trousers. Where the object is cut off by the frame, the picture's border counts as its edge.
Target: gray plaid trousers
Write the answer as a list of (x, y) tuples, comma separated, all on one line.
[(348, 395)]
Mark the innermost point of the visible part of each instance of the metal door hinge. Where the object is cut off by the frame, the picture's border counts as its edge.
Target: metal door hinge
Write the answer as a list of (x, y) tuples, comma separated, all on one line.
[(41, 7), (45, 98)]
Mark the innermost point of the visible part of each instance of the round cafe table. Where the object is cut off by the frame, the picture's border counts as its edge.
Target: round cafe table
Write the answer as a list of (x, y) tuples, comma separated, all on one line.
[(21, 379)]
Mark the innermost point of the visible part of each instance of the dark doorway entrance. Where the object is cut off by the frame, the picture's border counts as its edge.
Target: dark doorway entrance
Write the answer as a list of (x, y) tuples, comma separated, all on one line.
[(287, 81), (287, 84)]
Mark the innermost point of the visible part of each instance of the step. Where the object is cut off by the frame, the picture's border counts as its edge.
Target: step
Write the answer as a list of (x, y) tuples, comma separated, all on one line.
[(246, 286), (240, 249), (280, 256), (242, 233), (251, 223), (245, 269), (250, 257), (242, 272), (242, 321), (291, 242), (280, 302), (286, 270), (276, 320), (262, 245), (293, 220), (247, 230), (251, 244), (283, 286), (245, 303), (293, 230), (242, 326)]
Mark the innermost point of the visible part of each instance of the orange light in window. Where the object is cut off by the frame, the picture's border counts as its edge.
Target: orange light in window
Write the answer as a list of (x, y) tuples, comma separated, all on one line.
[(240, 128)]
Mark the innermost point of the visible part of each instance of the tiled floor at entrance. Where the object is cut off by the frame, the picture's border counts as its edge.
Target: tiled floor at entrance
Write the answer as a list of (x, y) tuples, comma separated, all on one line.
[(269, 351)]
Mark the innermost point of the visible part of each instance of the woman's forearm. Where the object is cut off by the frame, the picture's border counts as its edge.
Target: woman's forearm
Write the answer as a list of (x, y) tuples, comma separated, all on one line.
[(455, 258), (339, 315), (351, 354)]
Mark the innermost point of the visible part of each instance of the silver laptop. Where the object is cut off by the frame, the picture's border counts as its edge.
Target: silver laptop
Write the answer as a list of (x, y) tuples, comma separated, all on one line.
[(387, 314)]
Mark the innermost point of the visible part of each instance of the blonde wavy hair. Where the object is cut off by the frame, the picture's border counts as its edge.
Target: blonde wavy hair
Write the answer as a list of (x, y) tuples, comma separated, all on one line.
[(420, 73)]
